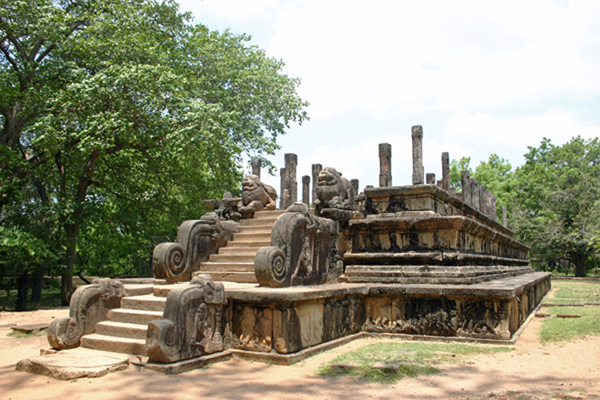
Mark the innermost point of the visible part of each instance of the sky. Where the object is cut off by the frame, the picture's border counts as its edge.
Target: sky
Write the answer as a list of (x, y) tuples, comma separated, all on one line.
[(481, 77)]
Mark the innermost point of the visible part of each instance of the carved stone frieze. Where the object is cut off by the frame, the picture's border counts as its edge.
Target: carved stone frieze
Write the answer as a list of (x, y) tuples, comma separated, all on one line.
[(193, 323), (89, 304), (196, 241), (300, 250)]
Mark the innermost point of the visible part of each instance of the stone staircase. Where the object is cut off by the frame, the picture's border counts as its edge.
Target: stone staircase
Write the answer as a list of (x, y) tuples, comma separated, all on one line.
[(235, 262), (125, 330)]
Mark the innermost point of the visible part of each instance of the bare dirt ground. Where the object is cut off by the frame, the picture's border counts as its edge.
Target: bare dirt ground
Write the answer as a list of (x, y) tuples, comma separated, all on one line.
[(530, 371)]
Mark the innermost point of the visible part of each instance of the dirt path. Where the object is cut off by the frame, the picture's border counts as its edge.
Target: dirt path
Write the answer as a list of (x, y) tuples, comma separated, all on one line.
[(532, 370)]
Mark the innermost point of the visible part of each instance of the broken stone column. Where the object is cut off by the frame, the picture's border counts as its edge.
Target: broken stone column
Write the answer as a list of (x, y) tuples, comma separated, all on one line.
[(289, 186), (466, 186), (316, 168), (284, 192), (482, 207), (440, 184), (430, 178), (474, 193), (385, 165), (417, 145), (504, 216), (488, 204), (445, 171), (354, 183), (256, 166), (306, 190), (494, 212)]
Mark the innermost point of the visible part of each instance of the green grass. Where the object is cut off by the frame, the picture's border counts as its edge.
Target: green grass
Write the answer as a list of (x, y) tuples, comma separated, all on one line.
[(570, 292), (21, 335), (415, 359), (50, 298), (564, 329)]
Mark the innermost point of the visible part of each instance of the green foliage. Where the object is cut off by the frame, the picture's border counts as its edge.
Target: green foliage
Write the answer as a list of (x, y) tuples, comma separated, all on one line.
[(414, 359), (456, 168), (119, 117), (25, 335), (558, 196)]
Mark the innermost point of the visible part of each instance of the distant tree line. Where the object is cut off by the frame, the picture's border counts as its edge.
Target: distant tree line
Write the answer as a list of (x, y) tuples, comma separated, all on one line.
[(553, 201)]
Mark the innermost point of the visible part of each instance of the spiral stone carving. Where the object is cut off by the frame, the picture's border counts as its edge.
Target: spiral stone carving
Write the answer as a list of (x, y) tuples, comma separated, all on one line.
[(300, 248), (270, 267), (192, 322), (196, 241), (89, 305)]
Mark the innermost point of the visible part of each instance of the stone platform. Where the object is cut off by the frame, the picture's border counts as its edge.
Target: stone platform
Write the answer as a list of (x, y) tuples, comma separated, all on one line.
[(289, 320)]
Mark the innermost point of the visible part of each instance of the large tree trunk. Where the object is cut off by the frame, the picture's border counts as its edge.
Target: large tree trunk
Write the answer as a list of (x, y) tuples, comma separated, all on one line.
[(66, 286), (22, 291), (38, 283), (579, 261)]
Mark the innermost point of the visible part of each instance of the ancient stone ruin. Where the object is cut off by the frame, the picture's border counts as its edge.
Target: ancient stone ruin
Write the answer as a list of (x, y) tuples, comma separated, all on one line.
[(276, 285)]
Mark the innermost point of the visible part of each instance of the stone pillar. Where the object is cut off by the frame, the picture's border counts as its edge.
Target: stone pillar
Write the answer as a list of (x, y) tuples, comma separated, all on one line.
[(354, 183), (488, 204), (482, 207), (306, 190), (256, 166), (474, 193), (494, 215), (316, 168), (430, 178), (417, 146), (466, 186), (291, 161), (504, 216), (284, 195), (440, 184), (446, 171), (385, 165)]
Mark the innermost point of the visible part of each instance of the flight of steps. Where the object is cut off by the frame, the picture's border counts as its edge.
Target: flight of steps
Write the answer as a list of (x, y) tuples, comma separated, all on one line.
[(235, 262), (125, 330)]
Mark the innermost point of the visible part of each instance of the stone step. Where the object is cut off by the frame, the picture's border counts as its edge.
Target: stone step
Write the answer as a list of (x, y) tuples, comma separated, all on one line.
[(145, 303), (114, 344), (252, 237), (210, 267), (239, 250), (249, 243), (268, 214), (259, 222), (240, 277), (134, 316), (256, 229), (138, 289), (121, 329), (226, 258)]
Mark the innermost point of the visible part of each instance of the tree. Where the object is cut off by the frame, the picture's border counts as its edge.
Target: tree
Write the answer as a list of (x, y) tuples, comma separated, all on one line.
[(558, 201), (123, 115), (496, 174)]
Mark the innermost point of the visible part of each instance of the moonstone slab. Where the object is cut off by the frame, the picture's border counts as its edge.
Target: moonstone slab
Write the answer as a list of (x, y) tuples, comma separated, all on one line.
[(74, 364)]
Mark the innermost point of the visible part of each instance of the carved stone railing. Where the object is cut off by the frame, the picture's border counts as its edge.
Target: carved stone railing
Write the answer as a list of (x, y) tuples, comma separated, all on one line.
[(301, 244), (192, 323), (196, 241), (89, 305)]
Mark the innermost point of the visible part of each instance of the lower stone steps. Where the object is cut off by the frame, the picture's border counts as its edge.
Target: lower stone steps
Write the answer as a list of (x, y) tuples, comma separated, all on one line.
[(122, 330), (141, 317), (115, 344)]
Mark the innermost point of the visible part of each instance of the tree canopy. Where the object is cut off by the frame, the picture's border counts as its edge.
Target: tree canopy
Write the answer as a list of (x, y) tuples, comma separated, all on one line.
[(118, 117)]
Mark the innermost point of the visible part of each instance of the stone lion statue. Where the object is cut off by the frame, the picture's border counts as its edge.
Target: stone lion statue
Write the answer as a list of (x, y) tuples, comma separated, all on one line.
[(333, 191), (256, 196)]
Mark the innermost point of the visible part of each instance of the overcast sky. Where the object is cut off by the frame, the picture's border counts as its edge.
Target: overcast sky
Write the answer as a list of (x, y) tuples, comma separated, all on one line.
[(481, 77)]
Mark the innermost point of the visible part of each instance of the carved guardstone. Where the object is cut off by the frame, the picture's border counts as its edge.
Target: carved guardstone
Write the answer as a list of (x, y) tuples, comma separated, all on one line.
[(196, 241), (299, 253), (89, 304), (192, 324)]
